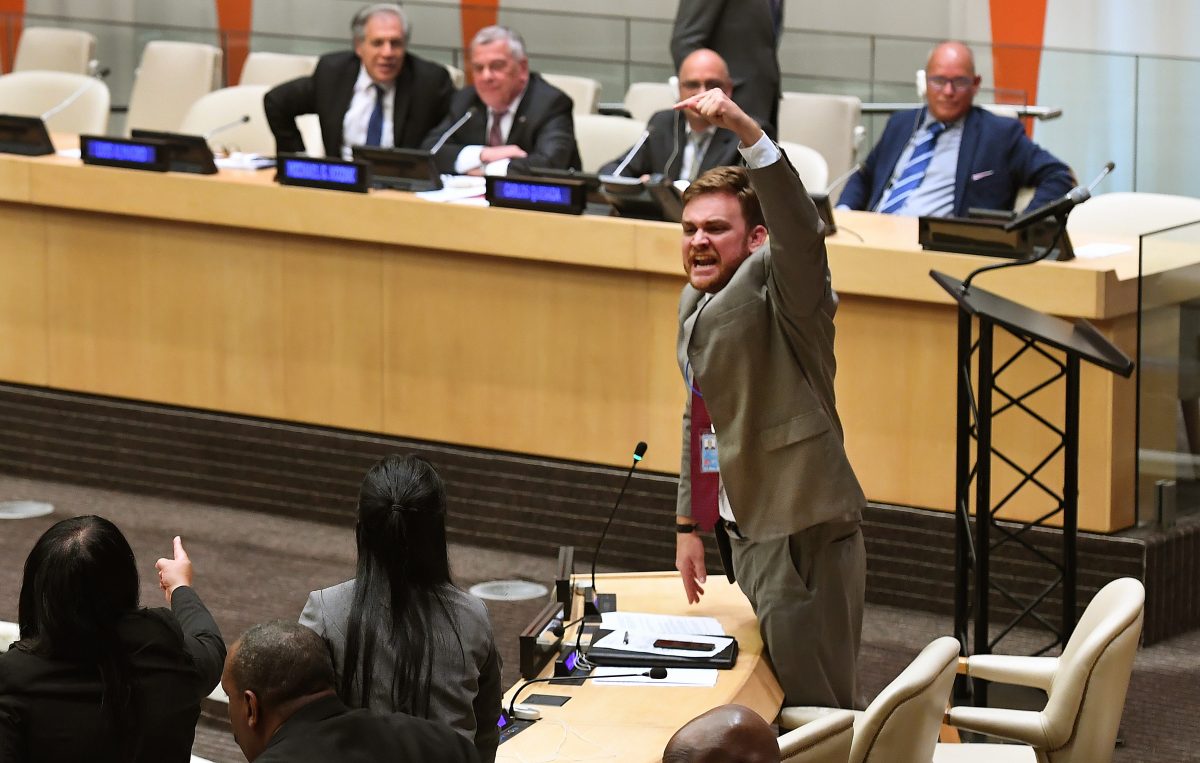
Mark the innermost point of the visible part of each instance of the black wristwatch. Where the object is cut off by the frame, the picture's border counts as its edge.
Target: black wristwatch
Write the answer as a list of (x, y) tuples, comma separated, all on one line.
[(684, 529)]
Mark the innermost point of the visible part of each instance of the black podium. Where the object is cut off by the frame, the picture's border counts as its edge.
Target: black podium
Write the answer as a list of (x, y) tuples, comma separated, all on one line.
[(1065, 345)]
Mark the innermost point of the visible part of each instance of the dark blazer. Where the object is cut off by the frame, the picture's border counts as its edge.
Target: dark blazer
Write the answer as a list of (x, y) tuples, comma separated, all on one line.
[(326, 730), (423, 91), (761, 349), (743, 32), (543, 127), (995, 160), (50, 709), (667, 135)]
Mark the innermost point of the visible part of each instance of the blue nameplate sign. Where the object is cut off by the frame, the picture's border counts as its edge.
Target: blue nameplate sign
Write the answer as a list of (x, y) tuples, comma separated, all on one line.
[(541, 195), (122, 152), (331, 174)]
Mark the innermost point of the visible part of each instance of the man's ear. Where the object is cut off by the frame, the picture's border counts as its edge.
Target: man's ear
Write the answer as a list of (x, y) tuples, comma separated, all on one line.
[(253, 709), (758, 236)]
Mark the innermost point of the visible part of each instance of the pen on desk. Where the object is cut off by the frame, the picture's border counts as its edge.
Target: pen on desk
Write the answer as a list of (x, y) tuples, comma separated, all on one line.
[(626, 639)]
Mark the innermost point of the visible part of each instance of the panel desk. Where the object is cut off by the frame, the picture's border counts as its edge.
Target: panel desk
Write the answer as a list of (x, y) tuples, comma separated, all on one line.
[(518, 331), (633, 723)]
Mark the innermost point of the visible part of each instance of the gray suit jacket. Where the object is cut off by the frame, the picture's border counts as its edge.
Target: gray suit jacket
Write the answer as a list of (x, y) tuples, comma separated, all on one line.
[(761, 351), (465, 693), (743, 32)]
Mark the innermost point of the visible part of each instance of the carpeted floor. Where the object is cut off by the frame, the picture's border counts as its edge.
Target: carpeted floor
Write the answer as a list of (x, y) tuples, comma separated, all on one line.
[(253, 567)]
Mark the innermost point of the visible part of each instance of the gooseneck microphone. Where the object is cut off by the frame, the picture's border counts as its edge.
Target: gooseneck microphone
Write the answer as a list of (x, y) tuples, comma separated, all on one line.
[(842, 178), (243, 119), (1062, 205), (453, 129), (592, 607), (641, 141), (74, 96), (655, 673), (1058, 208)]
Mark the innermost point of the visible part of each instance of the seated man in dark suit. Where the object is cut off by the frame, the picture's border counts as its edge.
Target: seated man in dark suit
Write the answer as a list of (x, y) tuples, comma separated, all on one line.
[(509, 120), (283, 707), (379, 94), (684, 147), (725, 734), (953, 156)]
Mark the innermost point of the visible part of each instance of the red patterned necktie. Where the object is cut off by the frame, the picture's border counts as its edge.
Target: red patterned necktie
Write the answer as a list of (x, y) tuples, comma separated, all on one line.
[(495, 137), (705, 485)]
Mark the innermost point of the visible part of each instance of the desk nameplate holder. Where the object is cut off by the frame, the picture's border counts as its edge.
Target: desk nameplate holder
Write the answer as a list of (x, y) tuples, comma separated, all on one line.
[(126, 153), (987, 237), (400, 169), (24, 136), (562, 196), (328, 174), (189, 153)]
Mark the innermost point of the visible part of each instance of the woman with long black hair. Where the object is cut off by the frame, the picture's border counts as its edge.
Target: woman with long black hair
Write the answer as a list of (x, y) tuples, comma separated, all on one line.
[(403, 637), (95, 677)]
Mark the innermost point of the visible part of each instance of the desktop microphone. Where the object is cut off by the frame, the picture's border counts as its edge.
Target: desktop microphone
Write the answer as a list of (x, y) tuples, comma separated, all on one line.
[(1060, 206), (641, 141), (243, 119), (102, 73), (453, 129), (592, 607), (70, 98), (655, 673)]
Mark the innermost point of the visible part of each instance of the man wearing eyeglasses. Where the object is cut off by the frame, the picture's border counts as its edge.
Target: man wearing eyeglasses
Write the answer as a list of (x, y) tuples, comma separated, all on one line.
[(952, 156)]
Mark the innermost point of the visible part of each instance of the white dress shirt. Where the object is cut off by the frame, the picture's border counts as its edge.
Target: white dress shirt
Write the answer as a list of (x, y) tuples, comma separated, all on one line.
[(354, 124), (468, 158)]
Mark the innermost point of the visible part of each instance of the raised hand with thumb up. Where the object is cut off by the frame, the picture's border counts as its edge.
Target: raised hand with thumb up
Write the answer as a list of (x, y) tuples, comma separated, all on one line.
[(174, 572)]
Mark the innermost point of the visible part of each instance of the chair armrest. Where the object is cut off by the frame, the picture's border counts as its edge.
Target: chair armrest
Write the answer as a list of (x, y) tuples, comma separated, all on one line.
[(1019, 725), (827, 733), (1037, 672), (795, 717)]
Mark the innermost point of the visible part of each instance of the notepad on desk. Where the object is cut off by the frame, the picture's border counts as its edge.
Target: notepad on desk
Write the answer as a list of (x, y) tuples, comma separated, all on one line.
[(628, 639)]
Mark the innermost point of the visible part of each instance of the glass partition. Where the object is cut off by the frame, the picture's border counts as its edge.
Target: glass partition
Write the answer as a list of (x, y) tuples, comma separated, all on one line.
[(1168, 373)]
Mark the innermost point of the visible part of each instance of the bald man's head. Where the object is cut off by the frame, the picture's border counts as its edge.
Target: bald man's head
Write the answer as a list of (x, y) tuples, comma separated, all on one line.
[(726, 734), (950, 81), (703, 70)]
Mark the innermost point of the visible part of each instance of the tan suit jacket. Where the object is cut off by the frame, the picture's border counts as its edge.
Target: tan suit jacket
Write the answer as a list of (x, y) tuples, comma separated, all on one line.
[(761, 352)]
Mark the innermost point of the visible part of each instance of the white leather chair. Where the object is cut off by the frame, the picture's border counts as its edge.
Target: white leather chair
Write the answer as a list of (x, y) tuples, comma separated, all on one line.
[(35, 93), (809, 164), (9, 632), (643, 99), (603, 138), (309, 126), (457, 76), (902, 724), (824, 740), (56, 50), (220, 107), (584, 91), (1132, 214), (828, 123), (170, 78), (271, 69), (1085, 688)]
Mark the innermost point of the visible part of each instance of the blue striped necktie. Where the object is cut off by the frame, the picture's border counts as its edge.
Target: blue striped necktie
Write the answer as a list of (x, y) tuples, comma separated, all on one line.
[(375, 123), (913, 172)]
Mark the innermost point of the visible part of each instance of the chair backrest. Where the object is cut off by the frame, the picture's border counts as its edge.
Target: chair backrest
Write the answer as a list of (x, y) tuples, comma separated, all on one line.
[(643, 99), (9, 632), (583, 91), (170, 78), (56, 50), (1086, 698), (35, 93), (457, 76), (825, 740), (602, 138), (271, 69), (810, 165), (1001, 110), (220, 107), (902, 724), (828, 123), (1131, 214), (309, 126)]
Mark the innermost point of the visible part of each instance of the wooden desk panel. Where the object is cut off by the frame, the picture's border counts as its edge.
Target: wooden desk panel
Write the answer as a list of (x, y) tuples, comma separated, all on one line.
[(546, 334), (633, 723)]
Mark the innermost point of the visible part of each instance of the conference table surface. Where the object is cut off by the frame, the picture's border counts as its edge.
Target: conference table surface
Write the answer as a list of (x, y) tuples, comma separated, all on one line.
[(530, 333), (633, 723)]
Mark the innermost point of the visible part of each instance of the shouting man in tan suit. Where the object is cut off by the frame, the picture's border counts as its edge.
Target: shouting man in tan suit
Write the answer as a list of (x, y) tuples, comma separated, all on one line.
[(762, 443)]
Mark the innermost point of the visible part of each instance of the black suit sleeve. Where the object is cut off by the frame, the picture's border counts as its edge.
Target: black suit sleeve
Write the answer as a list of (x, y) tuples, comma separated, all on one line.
[(201, 637), (282, 104), (553, 143), (694, 23)]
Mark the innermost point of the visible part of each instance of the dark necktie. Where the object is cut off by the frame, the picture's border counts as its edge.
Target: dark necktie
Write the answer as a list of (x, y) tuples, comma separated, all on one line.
[(705, 485), (375, 123), (913, 172), (495, 137)]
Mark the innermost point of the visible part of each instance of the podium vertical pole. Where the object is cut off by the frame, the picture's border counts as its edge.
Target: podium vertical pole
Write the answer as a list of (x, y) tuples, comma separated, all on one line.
[(962, 497), (1070, 494), (983, 499)]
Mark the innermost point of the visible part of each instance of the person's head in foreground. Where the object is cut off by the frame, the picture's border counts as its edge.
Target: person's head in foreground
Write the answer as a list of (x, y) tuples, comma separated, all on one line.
[(272, 671), (950, 81), (722, 224), (499, 66), (725, 734), (380, 39)]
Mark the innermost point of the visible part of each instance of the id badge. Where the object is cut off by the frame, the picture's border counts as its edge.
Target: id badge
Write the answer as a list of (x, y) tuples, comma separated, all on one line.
[(708, 453)]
